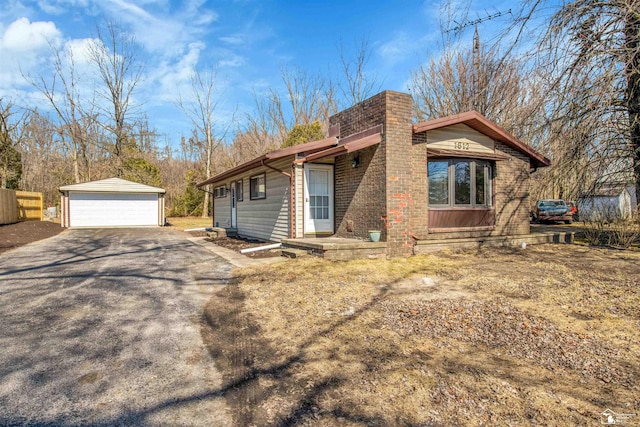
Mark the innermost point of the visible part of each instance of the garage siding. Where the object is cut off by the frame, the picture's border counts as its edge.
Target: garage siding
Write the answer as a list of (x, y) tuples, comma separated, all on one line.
[(113, 209)]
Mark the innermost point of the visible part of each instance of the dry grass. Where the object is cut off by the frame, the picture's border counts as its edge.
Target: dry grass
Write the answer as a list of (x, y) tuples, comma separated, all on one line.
[(183, 223), (546, 336)]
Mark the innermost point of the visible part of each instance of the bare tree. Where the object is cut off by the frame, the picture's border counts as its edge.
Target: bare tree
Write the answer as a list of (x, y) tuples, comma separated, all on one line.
[(115, 55), (306, 99), (12, 125), (201, 108), (310, 98), (358, 84), (590, 52), (477, 78), (45, 164), (74, 115)]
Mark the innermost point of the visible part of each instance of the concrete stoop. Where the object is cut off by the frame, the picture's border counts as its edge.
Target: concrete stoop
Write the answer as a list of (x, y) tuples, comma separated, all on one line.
[(427, 246), (335, 248), (339, 249), (294, 253), (219, 232)]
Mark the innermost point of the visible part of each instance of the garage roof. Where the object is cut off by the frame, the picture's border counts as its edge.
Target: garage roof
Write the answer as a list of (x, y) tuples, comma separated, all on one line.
[(112, 185)]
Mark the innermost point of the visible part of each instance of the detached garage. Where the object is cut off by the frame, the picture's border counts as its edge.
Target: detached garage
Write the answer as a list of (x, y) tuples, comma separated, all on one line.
[(111, 202)]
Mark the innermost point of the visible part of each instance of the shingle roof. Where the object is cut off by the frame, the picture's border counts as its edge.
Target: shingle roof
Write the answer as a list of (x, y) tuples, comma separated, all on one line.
[(112, 185), (309, 147)]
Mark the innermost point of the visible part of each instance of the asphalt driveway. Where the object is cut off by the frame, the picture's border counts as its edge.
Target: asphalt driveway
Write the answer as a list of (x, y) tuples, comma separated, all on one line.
[(102, 327)]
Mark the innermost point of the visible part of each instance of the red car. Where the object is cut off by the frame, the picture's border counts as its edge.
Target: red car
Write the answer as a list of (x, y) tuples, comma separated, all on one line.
[(573, 208)]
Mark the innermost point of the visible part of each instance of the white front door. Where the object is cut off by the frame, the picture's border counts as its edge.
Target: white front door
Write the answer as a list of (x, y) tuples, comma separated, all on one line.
[(234, 213), (318, 199)]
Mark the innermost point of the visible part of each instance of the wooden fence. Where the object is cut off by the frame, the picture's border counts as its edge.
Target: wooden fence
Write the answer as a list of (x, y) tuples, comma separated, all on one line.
[(8, 206), (30, 205)]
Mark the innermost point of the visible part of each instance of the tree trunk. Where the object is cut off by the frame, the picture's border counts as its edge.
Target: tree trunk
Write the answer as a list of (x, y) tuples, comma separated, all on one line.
[(205, 204), (76, 169), (632, 36)]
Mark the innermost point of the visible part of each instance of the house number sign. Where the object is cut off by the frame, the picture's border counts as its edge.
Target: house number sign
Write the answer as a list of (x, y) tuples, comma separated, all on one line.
[(458, 145)]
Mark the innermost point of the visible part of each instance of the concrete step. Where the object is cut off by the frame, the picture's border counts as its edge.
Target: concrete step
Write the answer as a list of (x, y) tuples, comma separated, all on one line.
[(217, 233), (294, 253)]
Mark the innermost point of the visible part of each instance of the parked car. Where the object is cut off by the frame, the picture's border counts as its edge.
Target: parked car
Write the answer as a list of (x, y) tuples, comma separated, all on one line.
[(552, 210), (573, 208)]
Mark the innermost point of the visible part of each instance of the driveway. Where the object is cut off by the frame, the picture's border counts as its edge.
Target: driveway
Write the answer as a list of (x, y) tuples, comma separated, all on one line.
[(102, 327)]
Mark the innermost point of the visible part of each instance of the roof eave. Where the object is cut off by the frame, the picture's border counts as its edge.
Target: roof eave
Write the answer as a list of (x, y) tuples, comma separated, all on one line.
[(473, 119), (310, 147)]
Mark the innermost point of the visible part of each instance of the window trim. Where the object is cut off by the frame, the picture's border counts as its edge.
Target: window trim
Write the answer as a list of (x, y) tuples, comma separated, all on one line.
[(473, 163), (220, 192), (240, 190), (262, 175)]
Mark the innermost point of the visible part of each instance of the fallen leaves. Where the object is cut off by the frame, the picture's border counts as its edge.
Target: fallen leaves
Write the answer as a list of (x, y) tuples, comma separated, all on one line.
[(498, 324)]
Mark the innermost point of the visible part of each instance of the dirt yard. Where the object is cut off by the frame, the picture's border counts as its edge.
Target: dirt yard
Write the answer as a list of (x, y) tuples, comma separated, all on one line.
[(549, 335), (21, 233)]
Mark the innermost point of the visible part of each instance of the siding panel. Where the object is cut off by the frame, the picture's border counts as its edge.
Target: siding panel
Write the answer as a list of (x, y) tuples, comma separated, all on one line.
[(264, 219), (460, 137)]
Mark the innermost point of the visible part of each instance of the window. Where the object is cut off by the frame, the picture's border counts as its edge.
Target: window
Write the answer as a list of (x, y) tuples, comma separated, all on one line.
[(319, 194), (438, 183), (258, 187), (459, 183), (219, 192), (239, 190)]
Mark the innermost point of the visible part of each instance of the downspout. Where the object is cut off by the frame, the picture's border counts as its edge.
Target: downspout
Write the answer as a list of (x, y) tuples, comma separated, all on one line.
[(290, 175)]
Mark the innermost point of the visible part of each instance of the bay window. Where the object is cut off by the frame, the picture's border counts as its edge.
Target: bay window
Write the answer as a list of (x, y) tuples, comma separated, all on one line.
[(459, 183)]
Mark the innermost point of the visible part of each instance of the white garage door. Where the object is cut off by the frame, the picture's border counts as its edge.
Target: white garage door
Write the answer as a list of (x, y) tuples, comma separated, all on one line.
[(112, 209)]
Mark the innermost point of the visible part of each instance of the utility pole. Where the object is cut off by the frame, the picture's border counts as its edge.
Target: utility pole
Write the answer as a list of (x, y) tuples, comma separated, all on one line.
[(461, 26), (476, 46)]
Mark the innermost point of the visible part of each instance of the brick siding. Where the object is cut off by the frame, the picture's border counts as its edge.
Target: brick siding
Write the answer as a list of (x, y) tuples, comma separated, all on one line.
[(419, 187), (511, 187), (360, 192), (398, 147), (388, 190), (377, 194)]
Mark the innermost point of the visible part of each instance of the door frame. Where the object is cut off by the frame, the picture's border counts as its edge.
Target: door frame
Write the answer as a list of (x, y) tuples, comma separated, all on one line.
[(329, 224), (234, 204)]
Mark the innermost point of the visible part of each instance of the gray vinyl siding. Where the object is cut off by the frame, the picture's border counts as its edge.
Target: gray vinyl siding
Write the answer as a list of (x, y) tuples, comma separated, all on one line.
[(222, 210), (264, 219)]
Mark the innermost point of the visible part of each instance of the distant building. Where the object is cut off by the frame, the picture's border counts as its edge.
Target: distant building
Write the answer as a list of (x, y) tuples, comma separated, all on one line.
[(612, 201)]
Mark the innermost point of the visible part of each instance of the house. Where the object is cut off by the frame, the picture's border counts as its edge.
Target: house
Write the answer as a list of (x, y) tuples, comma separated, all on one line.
[(610, 201), (454, 177), (111, 202)]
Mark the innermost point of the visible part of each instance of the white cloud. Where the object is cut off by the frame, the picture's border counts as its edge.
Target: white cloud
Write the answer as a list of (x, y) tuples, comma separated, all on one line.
[(24, 36), (80, 50), (168, 79), (160, 30), (25, 47), (233, 40), (397, 49), (233, 62)]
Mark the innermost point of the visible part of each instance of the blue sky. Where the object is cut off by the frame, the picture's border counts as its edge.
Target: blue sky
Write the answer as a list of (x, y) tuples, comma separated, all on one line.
[(249, 41)]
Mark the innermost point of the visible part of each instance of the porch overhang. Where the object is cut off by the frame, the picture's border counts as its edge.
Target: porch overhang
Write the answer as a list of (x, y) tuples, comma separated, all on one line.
[(347, 145), (309, 147)]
